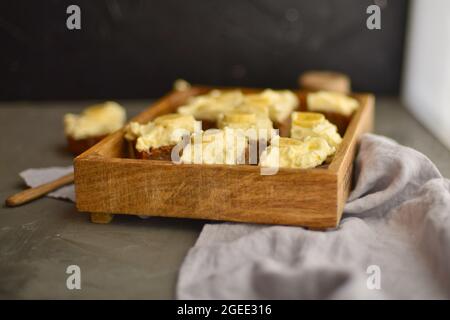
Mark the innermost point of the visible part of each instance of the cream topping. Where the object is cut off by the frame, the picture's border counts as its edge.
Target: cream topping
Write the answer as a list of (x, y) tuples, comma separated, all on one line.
[(293, 153), (310, 124), (281, 103), (210, 106), (255, 103), (165, 130), (260, 123), (97, 120), (328, 101), (277, 104), (216, 146)]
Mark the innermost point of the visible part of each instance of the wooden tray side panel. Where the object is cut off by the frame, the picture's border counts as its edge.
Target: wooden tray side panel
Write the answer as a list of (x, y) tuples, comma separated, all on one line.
[(209, 192), (361, 123)]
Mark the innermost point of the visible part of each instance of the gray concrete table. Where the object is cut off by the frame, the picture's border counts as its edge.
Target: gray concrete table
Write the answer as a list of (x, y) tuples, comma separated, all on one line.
[(129, 258)]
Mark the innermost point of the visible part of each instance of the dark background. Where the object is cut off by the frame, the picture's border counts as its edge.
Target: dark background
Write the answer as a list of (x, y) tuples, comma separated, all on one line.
[(136, 49)]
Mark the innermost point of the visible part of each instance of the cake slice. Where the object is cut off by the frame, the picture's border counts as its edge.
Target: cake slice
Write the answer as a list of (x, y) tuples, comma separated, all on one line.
[(208, 108), (293, 153), (155, 140), (311, 124), (280, 104), (257, 127), (93, 124), (216, 146), (337, 107)]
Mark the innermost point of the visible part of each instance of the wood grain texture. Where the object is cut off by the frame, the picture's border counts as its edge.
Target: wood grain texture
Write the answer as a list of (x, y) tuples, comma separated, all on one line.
[(342, 164), (106, 182)]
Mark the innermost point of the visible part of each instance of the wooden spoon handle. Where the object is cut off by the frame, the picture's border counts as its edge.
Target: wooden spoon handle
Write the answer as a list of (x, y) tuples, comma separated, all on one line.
[(39, 191)]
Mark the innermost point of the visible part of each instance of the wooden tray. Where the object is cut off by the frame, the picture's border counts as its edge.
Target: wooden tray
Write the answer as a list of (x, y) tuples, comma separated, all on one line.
[(108, 183)]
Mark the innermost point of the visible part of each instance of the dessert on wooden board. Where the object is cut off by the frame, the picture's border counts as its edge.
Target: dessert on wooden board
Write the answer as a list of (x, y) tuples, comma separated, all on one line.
[(255, 115), (309, 189), (221, 109), (337, 107), (329, 94), (311, 124), (92, 125), (155, 139), (216, 146), (315, 160), (208, 108), (255, 124), (294, 153)]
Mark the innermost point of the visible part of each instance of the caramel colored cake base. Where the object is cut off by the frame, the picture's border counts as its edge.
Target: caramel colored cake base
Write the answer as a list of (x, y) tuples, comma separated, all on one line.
[(283, 127), (161, 153), (77, 147), (208, 124), (165, 154)]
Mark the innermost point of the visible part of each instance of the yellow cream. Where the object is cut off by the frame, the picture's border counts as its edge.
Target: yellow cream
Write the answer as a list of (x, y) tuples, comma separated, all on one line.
[(247, 121), (165, 130), (216, 146), (97, 120), (277, 104), (255, 103), (210, 106), (293, 153), (328, 101), (310, 124), (175, 121), (281, 103)]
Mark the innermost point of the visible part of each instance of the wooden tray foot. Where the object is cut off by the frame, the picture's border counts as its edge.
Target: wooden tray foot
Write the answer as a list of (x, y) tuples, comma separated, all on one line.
[(101, 217)]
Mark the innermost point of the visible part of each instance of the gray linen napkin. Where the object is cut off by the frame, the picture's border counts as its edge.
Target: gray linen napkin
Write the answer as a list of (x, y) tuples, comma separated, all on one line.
[(393, 242), (35, 177)]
